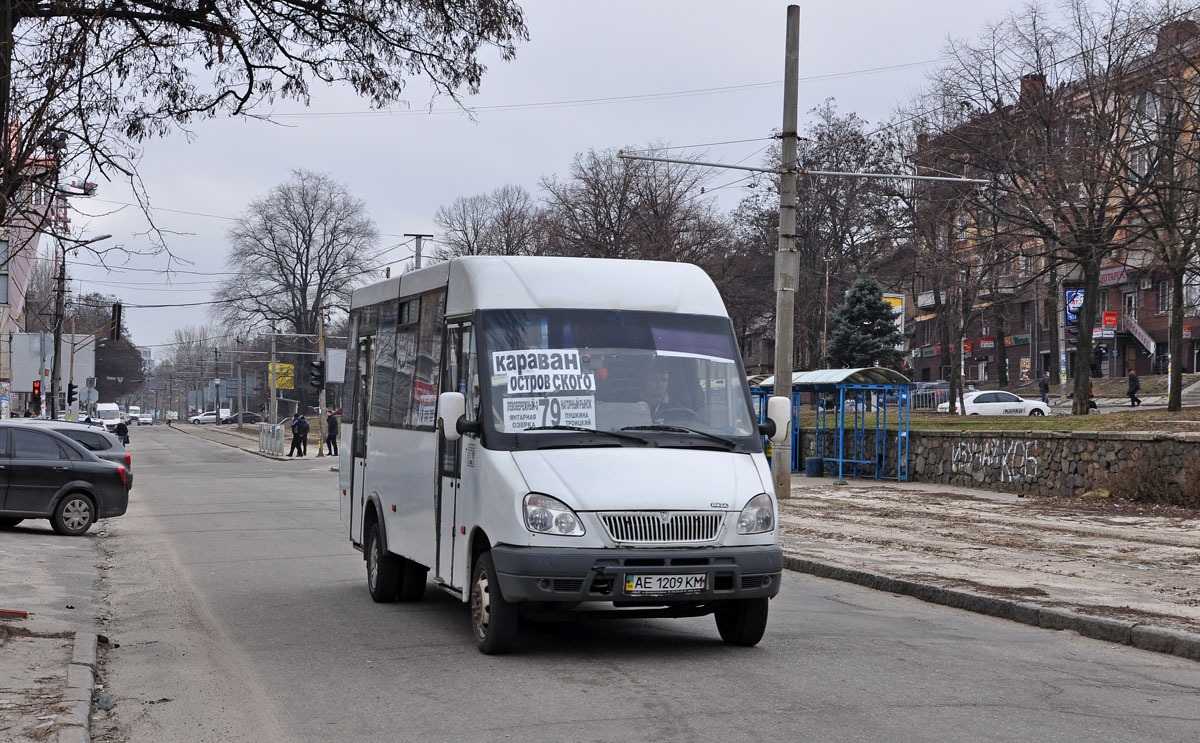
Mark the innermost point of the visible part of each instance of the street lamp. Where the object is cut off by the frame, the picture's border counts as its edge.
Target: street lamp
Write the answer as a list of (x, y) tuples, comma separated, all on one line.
[(56, 377)]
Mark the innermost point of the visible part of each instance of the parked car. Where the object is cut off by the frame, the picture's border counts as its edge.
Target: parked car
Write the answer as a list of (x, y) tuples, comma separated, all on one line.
[(928, 395), (247, 417), (145, 419), (208, 416), (997, 402), (95, 439), (51, 476)]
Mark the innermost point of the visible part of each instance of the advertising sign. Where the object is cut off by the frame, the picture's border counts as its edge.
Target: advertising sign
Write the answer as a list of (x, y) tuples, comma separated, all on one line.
[(1102, 332), (285, 376), (1112, 276), (1017, 340), (1110, 319), (966, 346), (987, 342), (1074, 304), (897, 303)]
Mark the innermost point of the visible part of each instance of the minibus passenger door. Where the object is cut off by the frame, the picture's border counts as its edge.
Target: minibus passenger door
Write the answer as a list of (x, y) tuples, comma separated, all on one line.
[(358, 436), (459, 370)]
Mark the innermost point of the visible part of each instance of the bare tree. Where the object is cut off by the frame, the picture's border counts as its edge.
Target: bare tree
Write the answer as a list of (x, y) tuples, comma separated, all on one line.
[(1163, 157), (82, 83), (845, 227), (504, 222), (297, 251), (1042, 111)]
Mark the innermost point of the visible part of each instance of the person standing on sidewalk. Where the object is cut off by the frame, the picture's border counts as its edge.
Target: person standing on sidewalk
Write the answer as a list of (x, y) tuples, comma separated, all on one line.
[(299, 428), (1044, 386), (122, 432), (1134, 386), (331, 426)]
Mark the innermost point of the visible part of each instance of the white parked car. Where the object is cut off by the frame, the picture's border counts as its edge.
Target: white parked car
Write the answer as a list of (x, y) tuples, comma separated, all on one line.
[(997, 402), (208, 416)]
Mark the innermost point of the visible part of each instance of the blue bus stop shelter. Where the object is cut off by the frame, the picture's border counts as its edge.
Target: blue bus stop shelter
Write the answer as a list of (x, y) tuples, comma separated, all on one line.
[(861, 422)]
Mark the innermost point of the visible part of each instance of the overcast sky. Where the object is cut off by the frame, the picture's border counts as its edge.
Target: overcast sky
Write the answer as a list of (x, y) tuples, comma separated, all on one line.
[(660, 58)]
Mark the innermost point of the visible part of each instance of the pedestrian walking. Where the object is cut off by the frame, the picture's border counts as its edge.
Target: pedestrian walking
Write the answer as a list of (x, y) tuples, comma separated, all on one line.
[(299, 428), (1044, 386), (122, 432), (1134, 386), (331, 428)]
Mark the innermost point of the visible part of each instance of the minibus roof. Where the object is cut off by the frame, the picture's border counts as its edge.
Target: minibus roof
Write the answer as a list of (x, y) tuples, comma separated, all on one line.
[(513, 282)]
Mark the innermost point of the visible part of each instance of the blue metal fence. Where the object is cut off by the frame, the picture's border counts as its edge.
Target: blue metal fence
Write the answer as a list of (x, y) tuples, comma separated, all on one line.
[(862, 449)]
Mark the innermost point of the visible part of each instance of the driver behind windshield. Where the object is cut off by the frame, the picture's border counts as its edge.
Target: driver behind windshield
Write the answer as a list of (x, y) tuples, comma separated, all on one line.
[(655, 381)]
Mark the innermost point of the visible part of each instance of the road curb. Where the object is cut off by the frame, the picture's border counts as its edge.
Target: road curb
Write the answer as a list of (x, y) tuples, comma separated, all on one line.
[(1142, 636), (81, 684)]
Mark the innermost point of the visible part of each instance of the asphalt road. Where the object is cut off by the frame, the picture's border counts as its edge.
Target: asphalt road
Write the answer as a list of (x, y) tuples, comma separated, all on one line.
[(242, 614)]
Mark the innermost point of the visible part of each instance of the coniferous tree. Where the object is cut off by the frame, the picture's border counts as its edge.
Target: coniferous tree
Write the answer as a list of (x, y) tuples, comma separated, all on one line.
[(864, 331)]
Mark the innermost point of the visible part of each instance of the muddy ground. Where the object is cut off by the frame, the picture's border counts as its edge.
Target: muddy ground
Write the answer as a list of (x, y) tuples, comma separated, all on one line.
[(1100, 557)]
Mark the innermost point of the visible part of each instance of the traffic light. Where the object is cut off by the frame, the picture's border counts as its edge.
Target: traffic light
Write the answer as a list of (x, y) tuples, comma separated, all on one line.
[(317, 376), (36, 397), (116, 321), (72, 395)]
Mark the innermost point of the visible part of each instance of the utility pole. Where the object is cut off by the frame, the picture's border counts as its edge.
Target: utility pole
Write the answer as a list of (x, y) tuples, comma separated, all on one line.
[(274, 405), (59, 308), (825, 330), (786, 260), (241, 400), (417, 250), (321, 392), (216, 388), (72, 414)]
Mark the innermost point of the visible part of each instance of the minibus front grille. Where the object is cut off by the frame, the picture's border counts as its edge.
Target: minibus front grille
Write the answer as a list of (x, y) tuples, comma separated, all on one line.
[(662, 527)]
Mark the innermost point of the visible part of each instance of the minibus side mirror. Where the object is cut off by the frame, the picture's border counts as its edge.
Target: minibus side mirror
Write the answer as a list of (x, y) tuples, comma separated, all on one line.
[(451, 407), (779, 419)]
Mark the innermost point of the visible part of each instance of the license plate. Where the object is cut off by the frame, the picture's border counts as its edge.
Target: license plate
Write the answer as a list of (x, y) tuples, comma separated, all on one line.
[(649, 585)]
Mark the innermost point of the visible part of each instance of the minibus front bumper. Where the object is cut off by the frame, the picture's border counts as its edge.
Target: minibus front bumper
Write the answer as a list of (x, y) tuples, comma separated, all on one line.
[(638, 576)]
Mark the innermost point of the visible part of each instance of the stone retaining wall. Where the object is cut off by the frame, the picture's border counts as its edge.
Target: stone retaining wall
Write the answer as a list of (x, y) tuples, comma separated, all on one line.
[(1034, 462)]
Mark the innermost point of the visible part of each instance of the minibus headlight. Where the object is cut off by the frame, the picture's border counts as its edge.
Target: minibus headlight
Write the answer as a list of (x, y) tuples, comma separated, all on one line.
[(758, 516), (546, 515)]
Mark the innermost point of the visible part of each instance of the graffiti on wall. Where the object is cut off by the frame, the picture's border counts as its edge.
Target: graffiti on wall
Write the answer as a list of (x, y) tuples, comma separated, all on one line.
[(1013, 460)]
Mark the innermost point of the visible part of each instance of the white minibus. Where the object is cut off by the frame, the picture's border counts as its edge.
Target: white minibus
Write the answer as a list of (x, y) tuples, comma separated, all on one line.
[(539, 436)]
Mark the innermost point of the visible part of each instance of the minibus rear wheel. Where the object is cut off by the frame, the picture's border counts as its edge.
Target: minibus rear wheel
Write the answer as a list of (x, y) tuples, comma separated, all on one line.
[(383, 570), (493, 620), (742, 621)]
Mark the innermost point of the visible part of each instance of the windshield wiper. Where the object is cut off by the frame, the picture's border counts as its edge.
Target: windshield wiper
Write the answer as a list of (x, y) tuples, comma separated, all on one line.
[(730, 443), (581, 429)]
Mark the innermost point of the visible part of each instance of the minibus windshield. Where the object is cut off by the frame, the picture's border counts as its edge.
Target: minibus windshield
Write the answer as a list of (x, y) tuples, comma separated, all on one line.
[(657, 375)]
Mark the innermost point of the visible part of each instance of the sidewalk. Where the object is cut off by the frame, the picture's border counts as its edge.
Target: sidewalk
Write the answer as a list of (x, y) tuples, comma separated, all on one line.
[(1113, 571), (247, 440), (50, 608)]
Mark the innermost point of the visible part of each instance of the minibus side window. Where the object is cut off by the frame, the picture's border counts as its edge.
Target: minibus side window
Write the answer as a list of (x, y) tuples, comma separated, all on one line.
[(406, 352), (351, 370), (426, 377), (385, 365)]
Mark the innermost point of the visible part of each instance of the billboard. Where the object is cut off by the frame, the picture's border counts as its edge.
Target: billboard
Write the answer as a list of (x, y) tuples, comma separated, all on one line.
[(1074, 304)]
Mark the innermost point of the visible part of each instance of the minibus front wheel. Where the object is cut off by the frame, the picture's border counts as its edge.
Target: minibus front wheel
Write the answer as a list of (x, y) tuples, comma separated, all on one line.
[(742, 621), (493, 619)]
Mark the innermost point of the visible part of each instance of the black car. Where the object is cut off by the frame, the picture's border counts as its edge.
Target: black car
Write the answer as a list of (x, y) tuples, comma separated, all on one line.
[(46, 475), (247, 417), (96, 440)]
